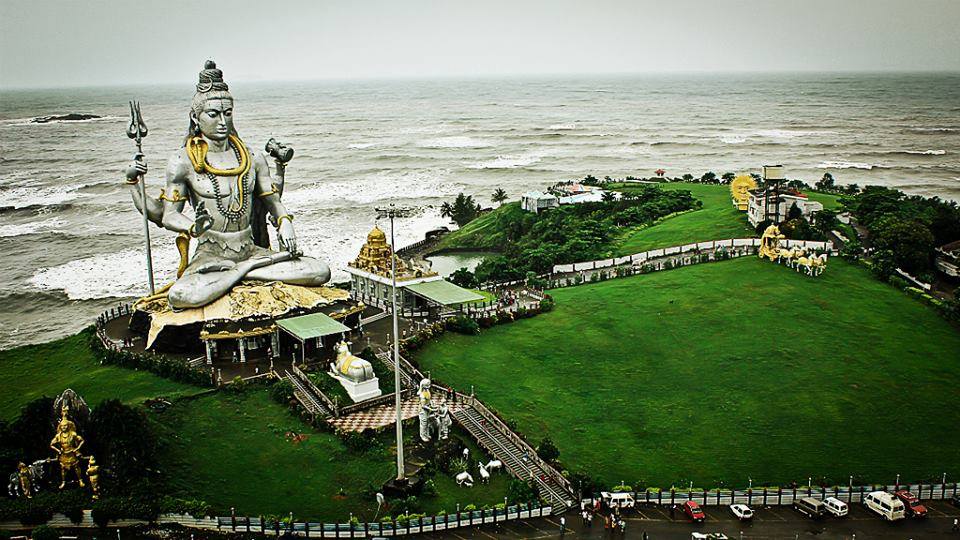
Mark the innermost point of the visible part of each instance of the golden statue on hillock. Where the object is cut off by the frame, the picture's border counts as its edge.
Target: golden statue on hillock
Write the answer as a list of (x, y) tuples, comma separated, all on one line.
[(67, 443), (770, 243), (740, 191)]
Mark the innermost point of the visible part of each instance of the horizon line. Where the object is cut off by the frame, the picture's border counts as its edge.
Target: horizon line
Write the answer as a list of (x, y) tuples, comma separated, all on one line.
[(495, 76)]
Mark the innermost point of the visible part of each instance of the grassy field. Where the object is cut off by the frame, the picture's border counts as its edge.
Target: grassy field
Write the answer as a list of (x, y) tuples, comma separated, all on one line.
[(717, 220), (721, 372), (48, 369), (233, 450)]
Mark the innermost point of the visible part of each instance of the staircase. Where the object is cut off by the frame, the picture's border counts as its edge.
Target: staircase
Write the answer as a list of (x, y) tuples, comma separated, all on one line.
[(503, 448), (305, 395)]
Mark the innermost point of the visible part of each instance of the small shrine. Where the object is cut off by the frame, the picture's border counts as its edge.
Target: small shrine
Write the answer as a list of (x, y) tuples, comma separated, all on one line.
[(419, 288)]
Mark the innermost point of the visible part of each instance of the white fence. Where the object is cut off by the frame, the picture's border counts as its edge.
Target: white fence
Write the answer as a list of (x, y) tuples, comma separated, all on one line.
[(787, 496), (712, 245)]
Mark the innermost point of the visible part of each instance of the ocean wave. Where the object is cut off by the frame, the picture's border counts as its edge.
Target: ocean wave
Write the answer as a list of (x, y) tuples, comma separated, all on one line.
[(849, 165), (568, 126), (379, 186), (507, 162), (22, 229), (790, 133), (733, 139), (455, 142), (27, 197), (114, 275), (926, 152), (362, 146), (920, 129)]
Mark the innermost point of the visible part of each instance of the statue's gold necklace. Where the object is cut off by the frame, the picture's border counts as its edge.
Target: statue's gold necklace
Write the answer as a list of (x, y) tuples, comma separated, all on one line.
[(197, 151)]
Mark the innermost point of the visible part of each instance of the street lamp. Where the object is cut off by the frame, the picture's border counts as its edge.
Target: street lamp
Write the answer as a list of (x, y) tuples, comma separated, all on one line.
[(392, 212)]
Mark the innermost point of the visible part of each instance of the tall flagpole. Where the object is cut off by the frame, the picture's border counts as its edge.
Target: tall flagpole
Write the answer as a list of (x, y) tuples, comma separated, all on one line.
[(394, 212)]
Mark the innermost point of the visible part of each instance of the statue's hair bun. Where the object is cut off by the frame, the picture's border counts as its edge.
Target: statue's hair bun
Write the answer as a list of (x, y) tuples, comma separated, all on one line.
[(211, 78)]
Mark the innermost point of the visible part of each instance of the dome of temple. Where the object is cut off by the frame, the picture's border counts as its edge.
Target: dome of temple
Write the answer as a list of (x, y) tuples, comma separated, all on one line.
[(376, 236)]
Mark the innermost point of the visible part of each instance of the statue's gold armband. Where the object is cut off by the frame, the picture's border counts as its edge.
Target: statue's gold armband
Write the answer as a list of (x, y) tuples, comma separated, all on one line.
[(175, 198)]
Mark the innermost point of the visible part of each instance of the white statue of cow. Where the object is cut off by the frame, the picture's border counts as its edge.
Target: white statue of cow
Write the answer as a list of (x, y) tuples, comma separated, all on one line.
[(494, 465), (484, 473), (464, 479)]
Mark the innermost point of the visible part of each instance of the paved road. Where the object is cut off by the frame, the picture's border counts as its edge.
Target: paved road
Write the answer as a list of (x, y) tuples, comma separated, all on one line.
[(769, 523)]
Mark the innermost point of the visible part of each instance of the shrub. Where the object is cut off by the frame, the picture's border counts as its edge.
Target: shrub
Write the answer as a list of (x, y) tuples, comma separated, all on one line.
[(547, 304), (44, 532), (521, 492), (463, 325), (547, 450)]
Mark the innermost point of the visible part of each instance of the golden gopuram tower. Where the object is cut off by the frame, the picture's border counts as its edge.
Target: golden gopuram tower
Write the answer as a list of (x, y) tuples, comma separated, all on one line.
[(375, 255)]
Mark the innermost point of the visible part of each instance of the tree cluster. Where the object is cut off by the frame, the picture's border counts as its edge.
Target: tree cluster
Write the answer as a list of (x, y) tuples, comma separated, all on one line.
[(904, 229), (463, 210), (573, 233)]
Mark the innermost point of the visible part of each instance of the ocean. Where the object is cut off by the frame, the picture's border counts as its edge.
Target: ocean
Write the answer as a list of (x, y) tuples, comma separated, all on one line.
[(72, 241)]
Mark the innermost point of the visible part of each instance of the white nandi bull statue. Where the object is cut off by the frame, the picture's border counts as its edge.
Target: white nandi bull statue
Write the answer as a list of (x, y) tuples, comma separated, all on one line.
[(352, 367)]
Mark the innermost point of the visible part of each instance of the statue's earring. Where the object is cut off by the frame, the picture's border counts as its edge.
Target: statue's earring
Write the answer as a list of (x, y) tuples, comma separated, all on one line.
[(196, 129)]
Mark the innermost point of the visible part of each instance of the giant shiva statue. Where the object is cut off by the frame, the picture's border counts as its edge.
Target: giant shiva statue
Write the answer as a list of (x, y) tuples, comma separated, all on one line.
[(231, 191)]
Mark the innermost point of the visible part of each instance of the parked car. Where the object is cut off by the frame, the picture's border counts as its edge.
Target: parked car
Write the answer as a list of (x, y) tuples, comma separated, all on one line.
[(618, 500), (836, 507), (709, 536), (810, 507), (741, 511), (885, 504), (693, 511), (955, 500), (914, 507)]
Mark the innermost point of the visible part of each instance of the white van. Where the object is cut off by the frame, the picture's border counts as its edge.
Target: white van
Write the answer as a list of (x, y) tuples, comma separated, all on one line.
[(618, 500), (885, 504), (836, 507)]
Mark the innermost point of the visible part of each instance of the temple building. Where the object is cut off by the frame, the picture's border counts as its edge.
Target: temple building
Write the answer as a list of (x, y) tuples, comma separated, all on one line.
[(419, 289), (767, 204)]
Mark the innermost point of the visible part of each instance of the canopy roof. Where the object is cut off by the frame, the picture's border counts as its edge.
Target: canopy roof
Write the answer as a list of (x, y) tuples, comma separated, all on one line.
[(443, 292), (311, 326)]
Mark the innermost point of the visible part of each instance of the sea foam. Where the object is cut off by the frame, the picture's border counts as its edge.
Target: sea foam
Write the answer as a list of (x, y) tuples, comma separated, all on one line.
[(507, 162), (455, 142)]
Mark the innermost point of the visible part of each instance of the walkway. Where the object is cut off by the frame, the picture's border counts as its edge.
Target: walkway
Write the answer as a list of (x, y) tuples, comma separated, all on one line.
[(517, 460)]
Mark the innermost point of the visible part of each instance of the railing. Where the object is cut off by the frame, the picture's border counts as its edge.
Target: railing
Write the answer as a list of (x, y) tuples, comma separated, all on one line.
[(503, 428), (787, 496), (711, 245), (327, 402), (260, 525)]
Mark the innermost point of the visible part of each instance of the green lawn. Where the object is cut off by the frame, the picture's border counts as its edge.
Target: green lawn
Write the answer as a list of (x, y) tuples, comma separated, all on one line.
[(717, 220), (34, 371), (719, 372), (232, 450)]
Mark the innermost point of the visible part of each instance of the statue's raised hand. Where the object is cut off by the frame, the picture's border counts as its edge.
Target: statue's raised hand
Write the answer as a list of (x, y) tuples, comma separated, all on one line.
[(202, 222), (137, 169), (288, 238)]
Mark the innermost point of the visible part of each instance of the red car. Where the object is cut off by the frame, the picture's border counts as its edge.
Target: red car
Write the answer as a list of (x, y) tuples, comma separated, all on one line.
[(693, 511), (913, 505)]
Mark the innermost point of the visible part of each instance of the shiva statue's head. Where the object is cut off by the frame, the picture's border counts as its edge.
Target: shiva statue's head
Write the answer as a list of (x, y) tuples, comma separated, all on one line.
[(211, 113)]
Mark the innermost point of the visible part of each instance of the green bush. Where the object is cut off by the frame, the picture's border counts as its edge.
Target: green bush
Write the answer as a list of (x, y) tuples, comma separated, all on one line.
[(547, 450), (44, 532), (547, 304), (463, 325), (170, 368)]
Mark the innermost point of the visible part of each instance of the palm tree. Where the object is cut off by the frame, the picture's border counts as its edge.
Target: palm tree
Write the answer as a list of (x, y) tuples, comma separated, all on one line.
[(446, 210), (608, 196), (499, 196)]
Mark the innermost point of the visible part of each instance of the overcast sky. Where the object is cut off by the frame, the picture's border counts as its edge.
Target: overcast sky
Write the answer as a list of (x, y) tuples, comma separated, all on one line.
[(90, 42)]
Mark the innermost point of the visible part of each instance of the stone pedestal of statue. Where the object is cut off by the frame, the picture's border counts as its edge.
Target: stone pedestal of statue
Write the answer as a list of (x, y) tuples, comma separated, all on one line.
[(359, 391)]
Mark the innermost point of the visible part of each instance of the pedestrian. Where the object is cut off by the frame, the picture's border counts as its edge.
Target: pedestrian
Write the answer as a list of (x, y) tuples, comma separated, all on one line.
[(673, 510), (623, 527), (563, 525), (645, 537), (956, 525)]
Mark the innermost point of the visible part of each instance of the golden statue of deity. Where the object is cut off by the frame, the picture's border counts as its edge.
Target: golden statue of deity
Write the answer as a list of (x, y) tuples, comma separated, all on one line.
[(67, 443), (770, 243), (93, 474), (23, 474)]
